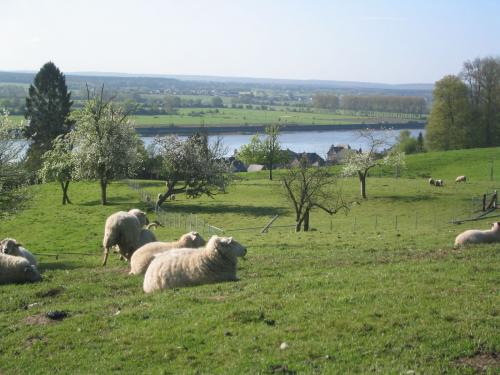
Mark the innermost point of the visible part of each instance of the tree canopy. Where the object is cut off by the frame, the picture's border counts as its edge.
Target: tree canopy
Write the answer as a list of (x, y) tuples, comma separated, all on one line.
[(105, 143), (48, 107)]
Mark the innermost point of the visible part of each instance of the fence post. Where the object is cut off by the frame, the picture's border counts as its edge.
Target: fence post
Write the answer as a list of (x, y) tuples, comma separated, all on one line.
[(376, 222), (396, 222)]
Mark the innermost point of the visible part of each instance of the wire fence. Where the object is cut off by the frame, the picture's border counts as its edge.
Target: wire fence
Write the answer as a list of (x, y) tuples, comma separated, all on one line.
[(186, 221)]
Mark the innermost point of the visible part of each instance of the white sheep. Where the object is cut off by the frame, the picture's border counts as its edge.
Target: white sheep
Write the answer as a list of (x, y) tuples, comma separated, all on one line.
[(143, 256), (124, 229), (15, 269), (215, 262), (474, 236), (439, 183), (11, 247), (461, 179)]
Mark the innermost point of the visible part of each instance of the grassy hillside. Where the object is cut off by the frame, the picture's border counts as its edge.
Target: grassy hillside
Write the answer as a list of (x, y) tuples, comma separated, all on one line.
[(379, 290)]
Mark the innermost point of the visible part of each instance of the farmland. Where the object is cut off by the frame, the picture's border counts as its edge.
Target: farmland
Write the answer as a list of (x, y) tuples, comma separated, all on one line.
[(379, 290)]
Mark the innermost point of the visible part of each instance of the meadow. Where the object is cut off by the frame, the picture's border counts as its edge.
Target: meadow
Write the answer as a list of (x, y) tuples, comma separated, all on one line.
[(378, 290), (231, 116)]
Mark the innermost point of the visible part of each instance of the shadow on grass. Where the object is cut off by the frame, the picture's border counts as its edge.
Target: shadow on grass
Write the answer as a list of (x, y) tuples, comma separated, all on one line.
[(407, 198), (58, 265), (111, 202), (239, 209)]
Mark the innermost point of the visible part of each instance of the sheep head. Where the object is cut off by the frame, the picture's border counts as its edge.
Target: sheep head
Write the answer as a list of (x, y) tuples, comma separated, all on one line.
[(9, 245), (230, 247)]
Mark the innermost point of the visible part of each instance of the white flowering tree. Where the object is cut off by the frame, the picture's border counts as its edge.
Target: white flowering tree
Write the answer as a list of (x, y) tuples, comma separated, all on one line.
[(105, 143), (360, 163), (11, 149), (192, 166), (58, 164)]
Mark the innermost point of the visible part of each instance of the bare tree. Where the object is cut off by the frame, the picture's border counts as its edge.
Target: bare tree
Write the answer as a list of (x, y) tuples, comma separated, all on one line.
[(360, 163), (308, 188), (192, 166)]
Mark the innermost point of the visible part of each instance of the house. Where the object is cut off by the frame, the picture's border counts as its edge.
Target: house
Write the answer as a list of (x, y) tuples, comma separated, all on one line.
[(313, 159), (337, 154)]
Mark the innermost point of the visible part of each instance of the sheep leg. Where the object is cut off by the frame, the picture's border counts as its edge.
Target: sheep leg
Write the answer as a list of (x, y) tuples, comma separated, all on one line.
[(106, 252)]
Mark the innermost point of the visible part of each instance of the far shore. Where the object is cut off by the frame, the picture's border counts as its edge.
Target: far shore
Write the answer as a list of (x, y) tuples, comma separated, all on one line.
[(251, 129)]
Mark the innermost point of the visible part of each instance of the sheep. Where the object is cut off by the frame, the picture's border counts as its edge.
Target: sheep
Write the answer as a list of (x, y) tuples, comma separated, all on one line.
[(125, 229), (439, 183), (11, 247), (16, 269), (432, 181), (143, 256), (472, 236), (461, 179), (215, 262)]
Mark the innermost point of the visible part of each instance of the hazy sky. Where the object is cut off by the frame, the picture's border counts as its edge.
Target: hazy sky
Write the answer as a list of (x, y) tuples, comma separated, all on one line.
[(404, 41)]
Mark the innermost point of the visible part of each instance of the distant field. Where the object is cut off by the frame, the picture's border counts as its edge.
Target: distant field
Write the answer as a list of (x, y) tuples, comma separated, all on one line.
[(231, 116)]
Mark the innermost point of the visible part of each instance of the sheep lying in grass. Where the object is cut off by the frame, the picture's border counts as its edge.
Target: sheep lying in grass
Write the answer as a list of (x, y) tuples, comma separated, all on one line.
[(11, 247), (439, 183), (475, 236), (125, 230), (215, 262), (143, 256), (432, 181), (461, 179), (16, 269)]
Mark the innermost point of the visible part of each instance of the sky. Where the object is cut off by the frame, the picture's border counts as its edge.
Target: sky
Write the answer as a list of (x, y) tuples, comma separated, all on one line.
[(405, 41)]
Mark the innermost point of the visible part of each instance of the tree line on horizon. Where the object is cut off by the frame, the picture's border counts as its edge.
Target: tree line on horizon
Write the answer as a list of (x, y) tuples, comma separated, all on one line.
[(371, 103), (466, 108)]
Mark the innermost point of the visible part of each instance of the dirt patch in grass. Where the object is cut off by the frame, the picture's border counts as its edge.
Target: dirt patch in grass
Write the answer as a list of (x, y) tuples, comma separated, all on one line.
[(50, 293), (217, 298), (38, 319), (481, 361), (32, 340)]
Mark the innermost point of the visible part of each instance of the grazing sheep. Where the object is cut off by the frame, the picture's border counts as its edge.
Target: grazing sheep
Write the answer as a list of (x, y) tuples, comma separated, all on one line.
[(124, 229), (172, 197), (11, 247), (16, 269), (439, 183), (141, 215), (215, 262), (432, 181), (461, 179), (479, 236), (143, 256)]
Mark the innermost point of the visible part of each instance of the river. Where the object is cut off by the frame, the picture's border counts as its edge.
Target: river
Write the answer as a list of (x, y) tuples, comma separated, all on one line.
[(309, 141)]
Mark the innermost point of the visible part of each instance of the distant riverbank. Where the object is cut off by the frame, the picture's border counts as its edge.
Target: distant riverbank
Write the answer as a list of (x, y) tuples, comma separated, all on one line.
[(251, 129)]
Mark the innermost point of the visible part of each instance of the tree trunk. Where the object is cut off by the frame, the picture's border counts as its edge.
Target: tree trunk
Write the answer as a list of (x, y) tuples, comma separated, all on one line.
[(104, 185), (362, 181), (64, 187), (165, 196), (306, 221), (271, 172)]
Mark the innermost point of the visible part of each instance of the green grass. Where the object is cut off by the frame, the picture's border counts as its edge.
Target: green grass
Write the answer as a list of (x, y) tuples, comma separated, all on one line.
[(230, 116), (360, 293)]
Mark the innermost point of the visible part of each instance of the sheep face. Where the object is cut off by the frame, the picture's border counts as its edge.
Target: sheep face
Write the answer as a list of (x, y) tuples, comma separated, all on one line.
[(495, 226), (9, 246), (229, 247), (192, 239)]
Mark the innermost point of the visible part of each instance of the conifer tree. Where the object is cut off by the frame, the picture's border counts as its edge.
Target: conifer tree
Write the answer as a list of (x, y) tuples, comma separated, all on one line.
[(47, 109)]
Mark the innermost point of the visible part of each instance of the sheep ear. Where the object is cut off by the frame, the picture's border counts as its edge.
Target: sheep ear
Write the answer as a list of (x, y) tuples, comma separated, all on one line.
[(227, 240)]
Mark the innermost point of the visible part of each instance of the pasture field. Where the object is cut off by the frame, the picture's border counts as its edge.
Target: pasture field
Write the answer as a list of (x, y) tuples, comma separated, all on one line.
[(379, 290), (231, 116)]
